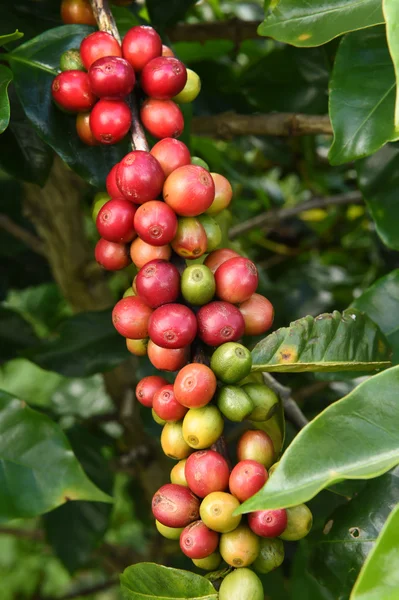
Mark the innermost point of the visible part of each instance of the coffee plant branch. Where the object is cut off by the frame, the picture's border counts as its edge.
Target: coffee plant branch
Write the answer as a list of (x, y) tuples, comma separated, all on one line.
[(235, 30), (28, 238)]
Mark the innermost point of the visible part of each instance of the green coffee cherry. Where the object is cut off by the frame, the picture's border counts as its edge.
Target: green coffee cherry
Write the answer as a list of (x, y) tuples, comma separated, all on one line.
[(217, 509), (70, 61), (173, 442), (231, 362), (170, 533), (271, 555), (99, 200), (190, 90), (264, 399), (212, 230), (156, 418), (202, 426), (239, 548), (129, 292), (210, 563), (196, 160), (300, 521), (241, 584), (197, 284), (234, 403)]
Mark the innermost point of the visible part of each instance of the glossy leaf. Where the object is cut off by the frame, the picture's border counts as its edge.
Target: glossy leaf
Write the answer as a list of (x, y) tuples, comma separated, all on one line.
[(330, 342), (356, 438), (163, 14), (5, 79), (362, 123), (10, 37), (391, 14), (147, 580), (124, 19), (16, 334), (28, 382), (38, 470), (315, 22)]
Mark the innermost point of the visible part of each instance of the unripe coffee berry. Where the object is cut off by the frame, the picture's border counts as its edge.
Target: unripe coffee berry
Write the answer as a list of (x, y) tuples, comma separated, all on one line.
[(189, 190), (110, 120), (258, 313), (166, 51), (223, 194), (71, 91), (97, 45), (231, 362), (115, 221), (84, 131), (130, 317), (156, 223), (197, 284), (111, 76), (172, 326), (241, 584), (197, 541), (195, 385), (163, 77), (268, 523), (218, 257), (256, 445), (140, 45), (142, 253), (299, 523), (166, 406), (239, 548), (191, 89), (233, 403), (77, 12), (206, 471), (271, 555), (166, 359), (247, 478), (212, 230), (190, 241), (210, 563), (170, 533), (112, 256), (139, 177), (220, 322), (202, 426), (217, 509), (177, 474), (162, 118), (172, 441), (236, 280), (265, 401), (175, 506), (137, 347), (70, 60), (171, 154)]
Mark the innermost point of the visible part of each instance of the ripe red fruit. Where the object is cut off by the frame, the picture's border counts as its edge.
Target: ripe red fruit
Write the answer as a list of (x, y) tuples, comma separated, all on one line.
[(206, 471), (83, 129), (110, 120), (111, 76), (71, 91), (163, 77), (175, 506), (115, 220), (77, 12), (140, 45), (166, 51), (147, 387), (130, 317), (162, 118), (247, 478), (171, 154), (190, 240), (172, 326), (195, 385), (256, 445), (111, 255), (97, 45), (189, 190), (139, 176), (110, 183), (220, 322), (197, 541), (156, 223), (268, 523), (142, 253), (236, 280), (218, 257), (166, 359), (166, 406), (158, 282), (258, 313)]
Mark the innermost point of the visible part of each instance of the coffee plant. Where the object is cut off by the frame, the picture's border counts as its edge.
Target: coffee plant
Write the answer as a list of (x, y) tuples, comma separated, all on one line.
[(199, 300)]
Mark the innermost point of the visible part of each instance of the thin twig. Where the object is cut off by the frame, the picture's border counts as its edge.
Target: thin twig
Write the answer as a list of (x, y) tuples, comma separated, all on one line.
[(22, 234), (235, 30), (291, 408), (35, 534), (98, 587)]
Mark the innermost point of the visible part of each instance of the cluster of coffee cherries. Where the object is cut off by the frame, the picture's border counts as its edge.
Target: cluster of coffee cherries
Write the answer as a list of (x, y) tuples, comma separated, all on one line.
[(96, 80)]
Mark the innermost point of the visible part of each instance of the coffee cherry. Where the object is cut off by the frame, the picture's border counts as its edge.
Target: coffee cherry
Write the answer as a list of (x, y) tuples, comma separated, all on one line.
[(111, 255), (84, 131), (139, 177), (157, 419), (129, 292), (239, 548), (166, 406), (191, 89), (271, 555), (241, 584), (130, 317), (163, 77), (212, 230), (231, 362), (156, 223), (189, 190), (170, 533), (110, 120), (71, 91), (171, 154), (166, 359), (197, 285), (223, 194), (218, 257), (111, 76), (195, 385), (158, 282), (142, 253), (265, 401), (110, 183), (190, 240), (256, 445), (177, 474), (172, 326), (175, 506), (217, 509), (206, 471), (137, 347), (210, 563), (236, 280), (100, 199), (258, 313), (147, 387), (172, 441), (162, 118), (219, 322), (115, 221), (202, 426), (196, 160), (268, 523), (77, 12), (166, 51), (233, 403), (197, 541), (97, 45), (140, 45), (247, 478), (70, 60), (299, 523)]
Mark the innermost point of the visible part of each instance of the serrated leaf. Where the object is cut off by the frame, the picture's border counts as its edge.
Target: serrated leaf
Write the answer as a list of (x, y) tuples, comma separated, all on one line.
[(5, 79), (330, 342), (391, 14), (10, 37), (315, 22), (355, 438), (148, 580)]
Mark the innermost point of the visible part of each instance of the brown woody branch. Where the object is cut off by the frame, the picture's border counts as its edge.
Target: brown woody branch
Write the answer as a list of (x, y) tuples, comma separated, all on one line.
[(291, 408), (28, 238), (231, 29)]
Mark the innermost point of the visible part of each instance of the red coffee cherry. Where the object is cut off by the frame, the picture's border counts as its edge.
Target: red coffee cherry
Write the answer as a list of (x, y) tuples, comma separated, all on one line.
[(190, 240), (140, 45), (258, 313), (110, 120), (220, 322), (142, 253), (172, 326), (247, 478), (218, 257), (156, 223), (158, 283), (130, 317), (256, 445), (197, 541), (110, 183), (189, 190), (236, 280), (97, 45), (115, 220), (166, 51), (195, 385), (84, 131), (175, 506), (268, 523), (166, 359), (162, 118), (111, 76), (71, 91), (171, 154), (147, 387), (77, 12), (166, 406), (206, 471), (163, 77), (139, 176), (111, 255)]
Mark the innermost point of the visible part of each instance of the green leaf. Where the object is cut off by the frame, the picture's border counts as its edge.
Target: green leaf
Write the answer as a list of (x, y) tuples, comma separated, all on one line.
[(28, 382), (391, 14), (35, 64), (5, 79), (16, 334), (124, 19), (38, 470), (362, 122), (164, 14), (10, 37), (355, 438), (315, 22), (147, 580), (330, 342)]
